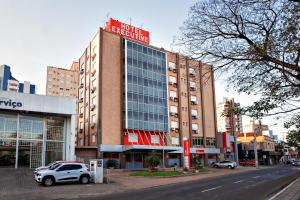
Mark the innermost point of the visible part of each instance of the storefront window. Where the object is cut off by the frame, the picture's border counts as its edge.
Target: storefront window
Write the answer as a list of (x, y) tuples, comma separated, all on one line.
[(32, 147)]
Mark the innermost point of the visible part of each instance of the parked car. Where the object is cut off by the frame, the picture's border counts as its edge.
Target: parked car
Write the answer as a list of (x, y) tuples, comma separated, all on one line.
[(64, 172), (225, 164), (45, 167), (247, 163), (296, 162), (53, 163)]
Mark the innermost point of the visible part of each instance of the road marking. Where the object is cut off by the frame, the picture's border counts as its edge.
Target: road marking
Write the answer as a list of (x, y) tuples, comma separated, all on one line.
[(239, 181), (211, 189), (277, 194), (256, 177)]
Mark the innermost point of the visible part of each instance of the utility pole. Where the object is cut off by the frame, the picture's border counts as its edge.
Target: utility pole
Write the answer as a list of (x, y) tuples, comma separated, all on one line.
[(256, 130), (233, 120)]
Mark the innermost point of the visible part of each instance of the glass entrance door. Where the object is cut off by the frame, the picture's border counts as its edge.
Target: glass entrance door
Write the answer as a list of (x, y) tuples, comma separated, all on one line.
[(134, 160)]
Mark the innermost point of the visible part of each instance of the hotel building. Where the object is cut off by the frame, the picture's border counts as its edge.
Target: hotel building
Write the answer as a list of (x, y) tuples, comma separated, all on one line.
[(136, 100)]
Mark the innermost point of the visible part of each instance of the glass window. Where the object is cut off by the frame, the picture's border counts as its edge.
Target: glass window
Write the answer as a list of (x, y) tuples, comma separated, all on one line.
[(144, 87)]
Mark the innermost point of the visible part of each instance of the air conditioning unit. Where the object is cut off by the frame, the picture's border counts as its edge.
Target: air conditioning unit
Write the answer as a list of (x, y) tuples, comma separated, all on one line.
[(192, 88), (195, 131), (195, 117), (172, 98), (93, 89), (194, 102), (81, 85), (81, 115), (80, 100), (93, 125), (173, 129), (81, 130), (93, 107), (81, 71), (172, 69), (175, 99), (172, 113), (192, 74)]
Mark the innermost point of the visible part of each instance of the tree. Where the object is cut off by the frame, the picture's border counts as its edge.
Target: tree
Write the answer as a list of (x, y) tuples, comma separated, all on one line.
[(152, 161), (293, 139), (255, 44)]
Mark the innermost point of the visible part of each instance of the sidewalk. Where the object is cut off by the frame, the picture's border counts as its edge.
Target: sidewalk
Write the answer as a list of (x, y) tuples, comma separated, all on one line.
[(290, 192)]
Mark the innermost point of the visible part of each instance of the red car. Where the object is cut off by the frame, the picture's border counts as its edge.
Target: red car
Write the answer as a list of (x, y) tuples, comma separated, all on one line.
[(247, 163)]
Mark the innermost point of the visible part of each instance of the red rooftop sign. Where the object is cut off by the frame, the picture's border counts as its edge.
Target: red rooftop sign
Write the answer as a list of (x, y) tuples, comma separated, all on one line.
[(128, 31)]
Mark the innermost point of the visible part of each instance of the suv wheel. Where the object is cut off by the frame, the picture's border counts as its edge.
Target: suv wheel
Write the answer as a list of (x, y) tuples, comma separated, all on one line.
[(84, 179), (230, 167), (48, 181)]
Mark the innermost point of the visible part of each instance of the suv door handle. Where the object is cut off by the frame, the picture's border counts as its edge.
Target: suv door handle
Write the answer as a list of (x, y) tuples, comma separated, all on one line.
[(69, 172), (80, 171)]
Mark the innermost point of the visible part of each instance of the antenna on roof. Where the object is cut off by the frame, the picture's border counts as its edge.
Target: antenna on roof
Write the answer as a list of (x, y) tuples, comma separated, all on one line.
[(130, 21), (107, 16)]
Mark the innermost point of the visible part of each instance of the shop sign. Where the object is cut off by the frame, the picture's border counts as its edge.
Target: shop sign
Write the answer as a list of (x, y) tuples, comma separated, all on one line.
[(199, 151), (131, 32), (8, 103)]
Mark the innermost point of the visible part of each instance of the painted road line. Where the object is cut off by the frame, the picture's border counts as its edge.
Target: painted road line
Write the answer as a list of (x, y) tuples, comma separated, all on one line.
[(284, 189), (256, 177), (239, 181), (211, 189)]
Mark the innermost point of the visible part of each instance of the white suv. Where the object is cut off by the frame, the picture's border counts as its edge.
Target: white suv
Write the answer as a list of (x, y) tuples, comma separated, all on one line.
[(225, 164), (63, 172)]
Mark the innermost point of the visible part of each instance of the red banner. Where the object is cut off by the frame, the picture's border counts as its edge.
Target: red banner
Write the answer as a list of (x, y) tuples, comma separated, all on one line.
[(186, 146), (128, 31)]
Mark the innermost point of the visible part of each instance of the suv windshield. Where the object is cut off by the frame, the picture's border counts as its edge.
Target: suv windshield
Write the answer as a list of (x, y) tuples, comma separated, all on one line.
[(54, 166)]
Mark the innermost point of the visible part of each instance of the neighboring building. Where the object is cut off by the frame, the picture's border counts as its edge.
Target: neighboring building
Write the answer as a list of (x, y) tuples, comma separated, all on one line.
[(265, 148), (227, 121), (9, 83), (250, 128), (36, 129), (62, 82), (135, 98)]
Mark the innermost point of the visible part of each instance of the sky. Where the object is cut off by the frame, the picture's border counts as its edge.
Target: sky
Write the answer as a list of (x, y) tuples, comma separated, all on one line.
[(35, 34)]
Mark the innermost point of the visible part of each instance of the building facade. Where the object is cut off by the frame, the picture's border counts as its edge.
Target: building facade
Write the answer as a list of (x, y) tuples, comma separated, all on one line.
[(251, 127), (62, 82), (135, 98), (9, 83), (227, 121), (36, 129), (265, 148)]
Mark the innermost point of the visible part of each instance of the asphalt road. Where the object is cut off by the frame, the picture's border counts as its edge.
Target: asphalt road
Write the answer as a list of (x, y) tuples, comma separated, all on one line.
[(257, 185)]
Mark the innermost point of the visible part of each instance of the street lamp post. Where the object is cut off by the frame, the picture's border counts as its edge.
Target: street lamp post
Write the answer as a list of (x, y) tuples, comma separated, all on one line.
[(256, 130)]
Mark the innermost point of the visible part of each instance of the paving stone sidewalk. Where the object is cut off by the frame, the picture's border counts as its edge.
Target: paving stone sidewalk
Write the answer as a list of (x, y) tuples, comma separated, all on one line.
[(292, 192)]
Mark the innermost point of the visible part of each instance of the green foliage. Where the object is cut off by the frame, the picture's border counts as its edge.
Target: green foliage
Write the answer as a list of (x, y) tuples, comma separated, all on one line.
[(293, 138), (153, 160)]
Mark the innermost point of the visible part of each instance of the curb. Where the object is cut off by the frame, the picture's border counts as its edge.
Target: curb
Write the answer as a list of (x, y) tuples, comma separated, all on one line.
[(284, 189)]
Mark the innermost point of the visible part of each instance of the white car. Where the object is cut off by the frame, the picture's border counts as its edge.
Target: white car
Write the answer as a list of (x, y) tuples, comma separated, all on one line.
[(64, 172), (225, 164), (45, 167)]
